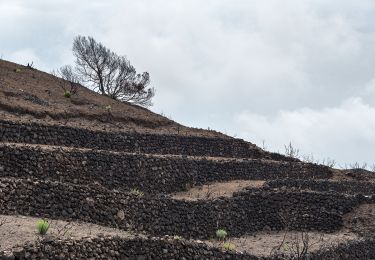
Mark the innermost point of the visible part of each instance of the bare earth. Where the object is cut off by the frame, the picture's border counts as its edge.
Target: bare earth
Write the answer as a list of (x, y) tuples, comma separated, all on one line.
[(217, 189), (264, 243), (30, 95), (18, 230), (361, 220)]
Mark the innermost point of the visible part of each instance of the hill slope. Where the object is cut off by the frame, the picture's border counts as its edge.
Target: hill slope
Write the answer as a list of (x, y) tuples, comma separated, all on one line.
[(163, 188), (29, 94)]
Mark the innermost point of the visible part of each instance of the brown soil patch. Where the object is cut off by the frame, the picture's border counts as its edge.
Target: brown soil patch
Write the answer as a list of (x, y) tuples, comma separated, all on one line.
[(266, 243), (18, 230), (361, 220), (217, 189)]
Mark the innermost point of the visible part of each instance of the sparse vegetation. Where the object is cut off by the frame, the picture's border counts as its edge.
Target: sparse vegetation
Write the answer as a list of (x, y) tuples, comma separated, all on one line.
[(67, 94), (176, 237), (291, 151), (329, 162), (30, 65), (358, 166), (221, 234), (70, 81), (186, 186), (42, 226), (229, 246), (295, 245), (137, 192), (108, 108)]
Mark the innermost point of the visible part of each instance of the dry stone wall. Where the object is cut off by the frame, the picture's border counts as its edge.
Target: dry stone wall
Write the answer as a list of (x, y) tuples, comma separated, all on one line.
[(350, 187), (145, 172), (122, 248), (153, 248), (246, 212), (144, 143)]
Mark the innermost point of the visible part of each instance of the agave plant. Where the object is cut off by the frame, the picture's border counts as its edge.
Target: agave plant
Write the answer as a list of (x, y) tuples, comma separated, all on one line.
[(221, 234)]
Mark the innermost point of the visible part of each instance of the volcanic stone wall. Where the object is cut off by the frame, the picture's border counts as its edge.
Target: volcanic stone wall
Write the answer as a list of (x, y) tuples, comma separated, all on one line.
[(124, 248), (145, 172), (246, 212), (152, 248), (145, 143), (350, 187), (359, 249)]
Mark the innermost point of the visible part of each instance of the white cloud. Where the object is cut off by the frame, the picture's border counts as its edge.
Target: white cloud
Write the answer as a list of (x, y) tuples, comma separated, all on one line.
[(345, 133)]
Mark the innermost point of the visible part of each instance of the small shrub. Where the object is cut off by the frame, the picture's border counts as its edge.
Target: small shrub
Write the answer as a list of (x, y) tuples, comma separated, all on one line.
[(186, 187), (108, 108), (177, 237), (42, 226), (229, 246), (137, 192), (221, 234), (67, 94), (17, 70)]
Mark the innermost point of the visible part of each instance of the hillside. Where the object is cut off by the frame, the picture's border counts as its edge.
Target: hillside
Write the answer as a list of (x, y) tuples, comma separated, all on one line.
[(136, 185), (33, 95)]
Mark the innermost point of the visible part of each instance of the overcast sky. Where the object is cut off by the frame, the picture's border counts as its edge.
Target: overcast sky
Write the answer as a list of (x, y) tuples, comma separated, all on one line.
[(279, 71)]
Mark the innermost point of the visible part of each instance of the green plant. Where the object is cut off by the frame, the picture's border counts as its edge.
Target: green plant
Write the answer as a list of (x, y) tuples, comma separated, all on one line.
[(285, 246), (67, 94), (229, 246), (137, 192), (17, 70), (108, 108), (221, 234), (186, 187), (177, 237), (42, 226)]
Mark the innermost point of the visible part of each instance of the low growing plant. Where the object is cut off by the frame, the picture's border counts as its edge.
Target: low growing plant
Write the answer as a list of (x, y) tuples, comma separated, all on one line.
[(137, 192), (67, 94), (176, 237), (42, 226), (186, 187), (221, 234), (108, 108), (229, 246)]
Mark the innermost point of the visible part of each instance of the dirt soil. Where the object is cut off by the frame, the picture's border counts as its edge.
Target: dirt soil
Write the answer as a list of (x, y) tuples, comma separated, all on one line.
[(216, 190), (361, 220), (266, 243), (18, 230)]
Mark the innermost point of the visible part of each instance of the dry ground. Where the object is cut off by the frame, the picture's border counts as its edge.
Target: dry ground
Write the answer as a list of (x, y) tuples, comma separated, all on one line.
[(18, 230), (265, 243), (217, 189), (31, 95), (361, 220)]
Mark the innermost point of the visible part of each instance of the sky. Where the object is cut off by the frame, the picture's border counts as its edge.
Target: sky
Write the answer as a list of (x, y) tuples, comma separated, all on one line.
[(271, 72)]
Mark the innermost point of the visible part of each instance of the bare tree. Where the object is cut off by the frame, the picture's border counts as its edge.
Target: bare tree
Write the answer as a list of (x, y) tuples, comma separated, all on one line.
[(71, 79), (290, 151), (297, 245), (110, 74)]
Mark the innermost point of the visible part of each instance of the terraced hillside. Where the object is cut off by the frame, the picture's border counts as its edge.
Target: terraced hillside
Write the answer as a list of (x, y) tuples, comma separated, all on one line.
[(139, 186)]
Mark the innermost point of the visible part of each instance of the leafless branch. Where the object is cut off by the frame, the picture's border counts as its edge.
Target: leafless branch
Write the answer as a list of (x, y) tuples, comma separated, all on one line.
[(110, 74)]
